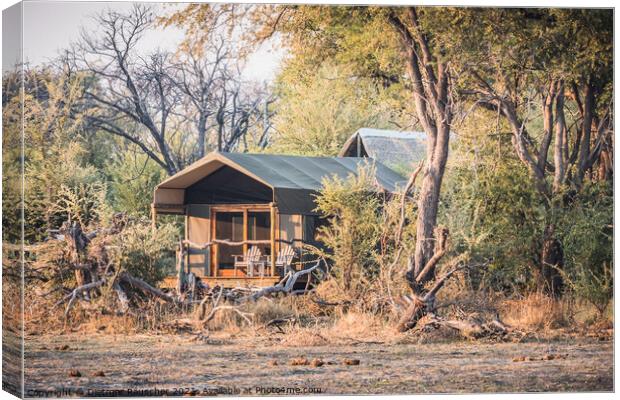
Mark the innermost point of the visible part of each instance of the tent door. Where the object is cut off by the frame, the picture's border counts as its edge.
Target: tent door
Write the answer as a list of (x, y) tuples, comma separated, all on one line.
[(238, 224)]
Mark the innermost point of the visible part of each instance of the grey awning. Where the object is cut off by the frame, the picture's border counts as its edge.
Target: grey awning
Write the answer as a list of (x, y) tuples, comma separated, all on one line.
[(293, 179)]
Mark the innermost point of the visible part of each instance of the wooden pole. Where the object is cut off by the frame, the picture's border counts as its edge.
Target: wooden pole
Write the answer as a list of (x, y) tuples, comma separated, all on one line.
[(245, 238), (215, 247), (245, 230), (181, 267), (272, 237)]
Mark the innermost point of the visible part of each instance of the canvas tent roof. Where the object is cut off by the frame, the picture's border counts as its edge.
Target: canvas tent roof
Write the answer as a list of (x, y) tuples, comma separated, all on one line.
[(293, 179), (393, 148)]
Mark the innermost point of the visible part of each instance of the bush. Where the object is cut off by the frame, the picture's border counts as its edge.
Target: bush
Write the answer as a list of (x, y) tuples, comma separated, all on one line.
[(351, 208), (360, 236), (133, 179), (146, 254), (494, 213), (84, 203), (496, 217), (586, 232)]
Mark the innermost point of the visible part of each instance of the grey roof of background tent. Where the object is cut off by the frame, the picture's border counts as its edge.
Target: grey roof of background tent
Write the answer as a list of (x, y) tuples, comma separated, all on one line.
[(294, 179), (393, 148)]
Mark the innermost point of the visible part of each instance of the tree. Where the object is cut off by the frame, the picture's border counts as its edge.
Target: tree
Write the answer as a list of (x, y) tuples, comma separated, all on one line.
[(340, 32), (154, 100), (209, 78), (55, 158), (430, 74), (309, 123), (128, 96), (560, 61)]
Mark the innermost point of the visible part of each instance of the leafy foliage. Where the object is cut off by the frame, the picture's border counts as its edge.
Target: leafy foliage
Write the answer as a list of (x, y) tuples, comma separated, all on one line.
[(310, 123), (146, 254), (84, 202), (586, 229), (133, 178), (56, 167), (364, 239), (495, 212), (352, 210)]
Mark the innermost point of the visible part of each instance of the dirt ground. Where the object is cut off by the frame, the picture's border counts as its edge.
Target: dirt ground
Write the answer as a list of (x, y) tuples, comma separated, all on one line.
[(181, 365)]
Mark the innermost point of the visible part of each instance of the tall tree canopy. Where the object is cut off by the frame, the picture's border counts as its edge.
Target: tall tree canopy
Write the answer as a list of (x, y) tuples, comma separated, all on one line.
[(548, 74)]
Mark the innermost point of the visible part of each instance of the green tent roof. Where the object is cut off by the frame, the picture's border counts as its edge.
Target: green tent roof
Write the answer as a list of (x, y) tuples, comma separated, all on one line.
[(294, 179), (296, 172)]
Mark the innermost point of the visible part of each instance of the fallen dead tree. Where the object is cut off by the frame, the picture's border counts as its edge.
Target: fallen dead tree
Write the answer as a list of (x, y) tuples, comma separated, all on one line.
[(285, 285), (96, 260), (425, 303), (205, 318), (236, 302), (467, 328), (422, 313)]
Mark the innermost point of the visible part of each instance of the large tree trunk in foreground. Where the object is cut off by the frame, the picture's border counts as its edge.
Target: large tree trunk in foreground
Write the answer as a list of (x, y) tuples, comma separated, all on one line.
[(430, 78), (428, 204)]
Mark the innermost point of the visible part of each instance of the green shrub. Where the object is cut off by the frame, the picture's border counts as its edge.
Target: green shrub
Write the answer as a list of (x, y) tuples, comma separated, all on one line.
[(133, 179), (361, 236), (351, 207), (146, 254), (586, 232)]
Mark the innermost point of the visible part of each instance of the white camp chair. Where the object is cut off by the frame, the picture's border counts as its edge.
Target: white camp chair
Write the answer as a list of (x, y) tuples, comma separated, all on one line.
[(285, 258), (249, 260)]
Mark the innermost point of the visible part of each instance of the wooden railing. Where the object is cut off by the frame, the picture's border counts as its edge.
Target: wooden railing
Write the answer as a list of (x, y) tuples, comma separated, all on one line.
[(185, 247)]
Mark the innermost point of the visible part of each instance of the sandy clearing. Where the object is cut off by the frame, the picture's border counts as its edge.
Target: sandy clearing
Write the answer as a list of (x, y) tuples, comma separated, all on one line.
[(175, 364)]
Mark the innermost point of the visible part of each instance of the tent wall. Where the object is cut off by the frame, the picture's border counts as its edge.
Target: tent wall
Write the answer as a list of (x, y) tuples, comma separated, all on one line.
[(228, 186), (299, 228), (354, 147), (199, 231), (169, 201), (291, 228), (296, 201)]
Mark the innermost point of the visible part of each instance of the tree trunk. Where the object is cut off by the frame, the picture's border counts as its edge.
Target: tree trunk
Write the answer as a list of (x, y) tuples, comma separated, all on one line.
[(412, 315), (202, 132), (552, 259), (588, 115), (558, 150), (430, 78), (426, 222), (605, 166), (428, 204)]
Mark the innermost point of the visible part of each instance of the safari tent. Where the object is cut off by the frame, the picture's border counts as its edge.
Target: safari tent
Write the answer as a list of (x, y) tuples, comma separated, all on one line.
[(255, 209), (395, 149)]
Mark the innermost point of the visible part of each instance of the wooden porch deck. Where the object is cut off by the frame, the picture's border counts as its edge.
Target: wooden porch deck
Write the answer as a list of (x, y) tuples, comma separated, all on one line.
[(170, 282)]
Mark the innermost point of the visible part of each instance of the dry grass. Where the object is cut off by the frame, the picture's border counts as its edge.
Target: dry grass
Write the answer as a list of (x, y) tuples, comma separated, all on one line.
[(307, 323), (342, 328), (536, 312), (258, 314), (11, 310), (266, 310), (360, 326), (330, 292), (309, 336), (109, 324)]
